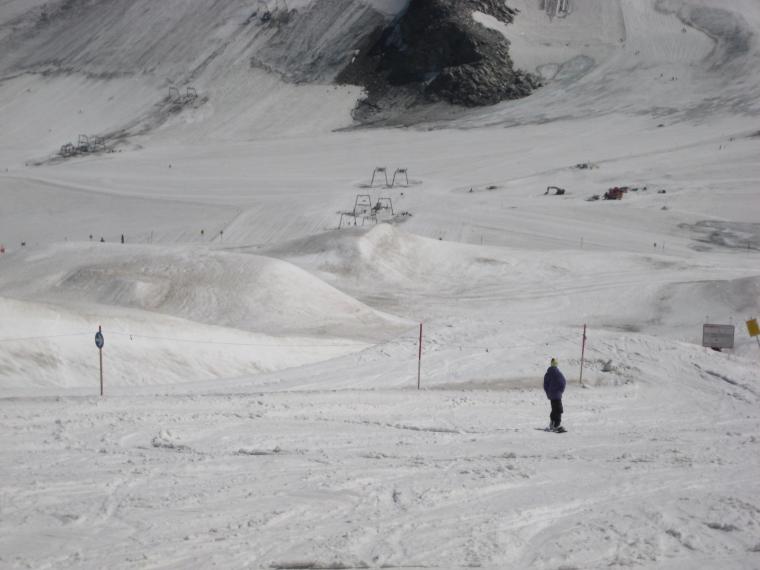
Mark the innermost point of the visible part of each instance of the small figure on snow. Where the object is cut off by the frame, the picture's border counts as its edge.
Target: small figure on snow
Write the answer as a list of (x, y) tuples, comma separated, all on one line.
[(554, 386)]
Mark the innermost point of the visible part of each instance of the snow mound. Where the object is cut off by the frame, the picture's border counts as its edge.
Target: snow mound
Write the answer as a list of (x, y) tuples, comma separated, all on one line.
[(166, 439), (45, 347), (394, 258), (241, 291), (613, 291)]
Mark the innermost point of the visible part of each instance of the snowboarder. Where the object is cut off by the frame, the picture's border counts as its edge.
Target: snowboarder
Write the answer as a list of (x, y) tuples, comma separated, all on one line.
[(554, 386)]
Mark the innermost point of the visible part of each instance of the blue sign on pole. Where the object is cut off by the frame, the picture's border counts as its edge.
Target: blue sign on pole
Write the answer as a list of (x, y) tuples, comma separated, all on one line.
[(99, 344)]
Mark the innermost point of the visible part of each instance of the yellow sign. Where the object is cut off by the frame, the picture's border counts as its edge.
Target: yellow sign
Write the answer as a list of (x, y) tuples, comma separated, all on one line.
[(753, 328)]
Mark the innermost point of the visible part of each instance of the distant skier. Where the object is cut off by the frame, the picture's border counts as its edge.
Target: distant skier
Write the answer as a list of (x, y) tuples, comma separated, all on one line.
[(554, 386)]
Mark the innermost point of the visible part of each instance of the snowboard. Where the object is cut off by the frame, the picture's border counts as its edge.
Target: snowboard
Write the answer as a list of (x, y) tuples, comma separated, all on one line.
[(560, 429)]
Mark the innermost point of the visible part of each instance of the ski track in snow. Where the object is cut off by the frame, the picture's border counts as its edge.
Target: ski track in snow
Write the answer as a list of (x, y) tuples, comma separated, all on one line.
[(329, 477)]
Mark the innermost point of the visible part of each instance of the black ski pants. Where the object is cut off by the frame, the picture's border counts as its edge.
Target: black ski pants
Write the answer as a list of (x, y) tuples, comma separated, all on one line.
[(556, 416)]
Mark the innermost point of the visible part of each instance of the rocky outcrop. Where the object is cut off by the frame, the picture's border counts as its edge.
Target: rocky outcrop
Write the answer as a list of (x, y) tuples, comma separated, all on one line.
[(436, 51)]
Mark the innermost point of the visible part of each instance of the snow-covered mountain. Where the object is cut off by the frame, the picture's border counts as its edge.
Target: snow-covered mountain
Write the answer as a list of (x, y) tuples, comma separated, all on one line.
[(260, 294)]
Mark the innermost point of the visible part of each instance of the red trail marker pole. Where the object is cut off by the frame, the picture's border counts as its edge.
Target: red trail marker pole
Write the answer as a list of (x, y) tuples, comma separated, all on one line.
[(583, 353), (419, 359)]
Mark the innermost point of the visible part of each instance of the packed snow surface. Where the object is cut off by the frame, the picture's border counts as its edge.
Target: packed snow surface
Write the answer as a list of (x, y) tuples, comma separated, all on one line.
[(261, 365)]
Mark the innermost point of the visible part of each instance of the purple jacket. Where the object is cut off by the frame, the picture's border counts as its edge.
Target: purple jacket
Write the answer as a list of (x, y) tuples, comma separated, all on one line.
[(554, 383)]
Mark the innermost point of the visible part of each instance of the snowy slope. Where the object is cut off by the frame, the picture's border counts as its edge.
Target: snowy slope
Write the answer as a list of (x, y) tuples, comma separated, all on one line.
[(104, 69), (67, 80), (693, 57), (261, 365), (49, 347), (449, 479), (199, 183), (183, 306)]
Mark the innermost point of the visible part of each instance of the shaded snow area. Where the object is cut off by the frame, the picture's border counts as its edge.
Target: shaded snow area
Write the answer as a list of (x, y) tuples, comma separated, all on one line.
[(260, 295)]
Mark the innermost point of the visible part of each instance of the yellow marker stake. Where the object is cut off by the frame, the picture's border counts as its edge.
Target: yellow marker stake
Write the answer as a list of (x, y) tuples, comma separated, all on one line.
[(754, 330)]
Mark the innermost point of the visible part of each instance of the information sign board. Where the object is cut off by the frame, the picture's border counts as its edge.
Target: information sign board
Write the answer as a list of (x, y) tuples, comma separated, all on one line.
[(718, 336)]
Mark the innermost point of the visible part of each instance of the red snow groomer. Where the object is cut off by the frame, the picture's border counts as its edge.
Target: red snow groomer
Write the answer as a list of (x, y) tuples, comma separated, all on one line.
[(615, 193)]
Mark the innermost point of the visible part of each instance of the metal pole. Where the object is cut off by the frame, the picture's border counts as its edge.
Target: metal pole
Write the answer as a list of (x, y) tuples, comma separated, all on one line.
[(583, 353), (100, 354), (419, 359)]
